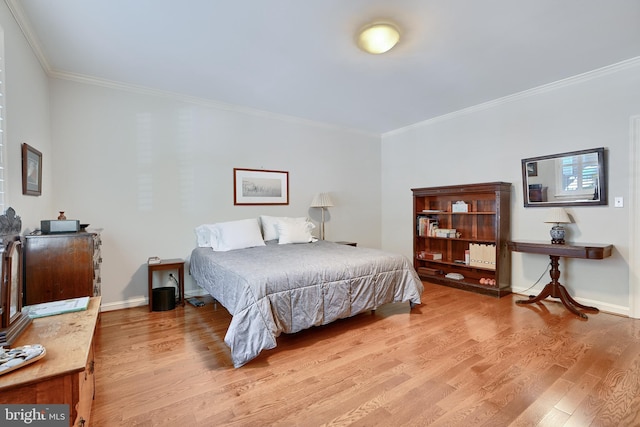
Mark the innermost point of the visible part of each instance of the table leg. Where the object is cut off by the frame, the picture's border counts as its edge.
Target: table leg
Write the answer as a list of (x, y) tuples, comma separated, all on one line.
[(555, 290), (181, 284)]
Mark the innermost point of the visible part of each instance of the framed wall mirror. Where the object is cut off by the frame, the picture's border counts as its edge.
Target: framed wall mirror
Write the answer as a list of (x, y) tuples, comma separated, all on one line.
[(576, 178)]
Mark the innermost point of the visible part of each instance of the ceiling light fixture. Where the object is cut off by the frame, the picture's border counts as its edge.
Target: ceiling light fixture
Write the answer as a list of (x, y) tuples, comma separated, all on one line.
[(378, 37)]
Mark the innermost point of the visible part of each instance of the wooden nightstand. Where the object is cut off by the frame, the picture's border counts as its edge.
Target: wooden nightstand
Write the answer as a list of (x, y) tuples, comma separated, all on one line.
[(342, 242), (167, 264)]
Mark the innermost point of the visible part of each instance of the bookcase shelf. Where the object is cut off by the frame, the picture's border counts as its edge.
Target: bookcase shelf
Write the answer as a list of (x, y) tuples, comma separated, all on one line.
[(486, 223)]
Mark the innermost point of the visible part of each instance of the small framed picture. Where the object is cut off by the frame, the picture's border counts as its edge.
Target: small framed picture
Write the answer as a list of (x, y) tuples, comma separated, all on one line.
[(532, 169), (260, 187), (31, 171)]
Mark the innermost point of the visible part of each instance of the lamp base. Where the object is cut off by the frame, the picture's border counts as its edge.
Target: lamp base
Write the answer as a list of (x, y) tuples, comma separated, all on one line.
[(557, 235)]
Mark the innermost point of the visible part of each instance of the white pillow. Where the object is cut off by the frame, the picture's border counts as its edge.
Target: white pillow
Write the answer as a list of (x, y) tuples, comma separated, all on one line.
[(240, 234), (206, 235), (227, 236), (294, 231), (269, 230)]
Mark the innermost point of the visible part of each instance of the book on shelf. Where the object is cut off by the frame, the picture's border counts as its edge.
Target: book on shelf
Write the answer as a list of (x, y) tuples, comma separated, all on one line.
[(153, 260), (426, 225), (429, 255), (429, 271)]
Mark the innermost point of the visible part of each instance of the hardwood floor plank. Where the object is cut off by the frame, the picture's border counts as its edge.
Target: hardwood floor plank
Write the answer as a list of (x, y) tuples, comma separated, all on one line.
[(622, 396), (458, 359)]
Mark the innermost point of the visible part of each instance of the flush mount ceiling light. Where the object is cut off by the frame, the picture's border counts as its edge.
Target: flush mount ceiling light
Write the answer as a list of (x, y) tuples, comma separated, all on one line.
[(378, 37)]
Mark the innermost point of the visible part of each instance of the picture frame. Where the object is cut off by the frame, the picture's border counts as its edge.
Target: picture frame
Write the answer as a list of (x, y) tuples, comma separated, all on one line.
[(532, 169), (31, 171), (260, 187)]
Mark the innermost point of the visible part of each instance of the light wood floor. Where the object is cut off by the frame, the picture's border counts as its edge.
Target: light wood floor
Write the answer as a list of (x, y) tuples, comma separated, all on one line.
[(459, 359)]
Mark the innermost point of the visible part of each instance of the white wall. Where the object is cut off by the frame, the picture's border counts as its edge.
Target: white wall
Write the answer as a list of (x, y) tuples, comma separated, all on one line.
[(149, 168), (486, 143), (26, 105)]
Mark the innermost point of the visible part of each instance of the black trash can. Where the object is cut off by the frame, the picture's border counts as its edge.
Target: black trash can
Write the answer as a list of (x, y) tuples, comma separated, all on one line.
[(164, 298)]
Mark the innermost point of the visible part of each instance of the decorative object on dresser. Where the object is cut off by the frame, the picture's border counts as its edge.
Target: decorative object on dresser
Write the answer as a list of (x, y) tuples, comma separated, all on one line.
[(557, 216), (31, 171), (50, 226), (20, 357), (322, 201), (66, 374), (62, 266), (464, 229), (13, 318)]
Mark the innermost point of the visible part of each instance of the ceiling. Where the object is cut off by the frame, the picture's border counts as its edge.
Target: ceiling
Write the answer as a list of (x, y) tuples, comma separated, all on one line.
[(299, 57)]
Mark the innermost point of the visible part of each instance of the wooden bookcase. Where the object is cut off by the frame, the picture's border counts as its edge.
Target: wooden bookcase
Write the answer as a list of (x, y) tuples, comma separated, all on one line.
[(486, 222)]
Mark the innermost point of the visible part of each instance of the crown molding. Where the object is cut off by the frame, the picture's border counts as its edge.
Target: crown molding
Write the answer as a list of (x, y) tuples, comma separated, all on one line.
[(569, 81), (203, 102), (21, 19)]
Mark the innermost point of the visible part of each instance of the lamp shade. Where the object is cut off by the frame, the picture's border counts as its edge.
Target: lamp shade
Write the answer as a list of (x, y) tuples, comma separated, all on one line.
[(321, 200), (558, 216)]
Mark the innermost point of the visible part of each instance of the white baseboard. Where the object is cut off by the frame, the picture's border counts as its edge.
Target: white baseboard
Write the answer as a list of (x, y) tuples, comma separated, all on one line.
[(142, 301)]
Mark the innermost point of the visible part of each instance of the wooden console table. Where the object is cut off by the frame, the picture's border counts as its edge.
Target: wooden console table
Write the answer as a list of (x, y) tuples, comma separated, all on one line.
[(570, 250), (65, 375)]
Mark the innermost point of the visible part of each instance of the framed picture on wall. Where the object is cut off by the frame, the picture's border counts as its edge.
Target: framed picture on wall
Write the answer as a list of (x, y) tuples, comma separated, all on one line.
[(260, 187), (532, 169), (31, 171)]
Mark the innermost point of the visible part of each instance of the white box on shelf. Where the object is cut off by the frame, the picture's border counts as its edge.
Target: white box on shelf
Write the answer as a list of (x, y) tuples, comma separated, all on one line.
[(460, 206)]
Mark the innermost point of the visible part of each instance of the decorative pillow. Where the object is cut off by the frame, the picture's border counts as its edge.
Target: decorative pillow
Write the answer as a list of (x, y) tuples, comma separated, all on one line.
[(269, 230), (227, 236), (240, 234), (206, 235), (294, 231)]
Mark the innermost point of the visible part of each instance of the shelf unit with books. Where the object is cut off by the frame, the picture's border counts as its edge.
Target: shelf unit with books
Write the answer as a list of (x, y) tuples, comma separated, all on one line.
[(468, 238)]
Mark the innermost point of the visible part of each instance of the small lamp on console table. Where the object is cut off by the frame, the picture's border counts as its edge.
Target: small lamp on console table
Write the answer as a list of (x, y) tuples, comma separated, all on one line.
[(557, 216), (322, 201)]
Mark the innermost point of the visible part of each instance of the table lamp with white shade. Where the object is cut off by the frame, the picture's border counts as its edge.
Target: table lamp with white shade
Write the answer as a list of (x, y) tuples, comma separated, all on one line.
[(557, 216), (322, 201)]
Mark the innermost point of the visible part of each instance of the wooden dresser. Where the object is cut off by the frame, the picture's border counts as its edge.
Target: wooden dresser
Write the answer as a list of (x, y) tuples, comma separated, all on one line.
[(66, 373), (61, 266)]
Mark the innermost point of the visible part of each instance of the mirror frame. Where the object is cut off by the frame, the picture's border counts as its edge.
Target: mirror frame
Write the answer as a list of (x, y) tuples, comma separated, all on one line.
[(602, 177)]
